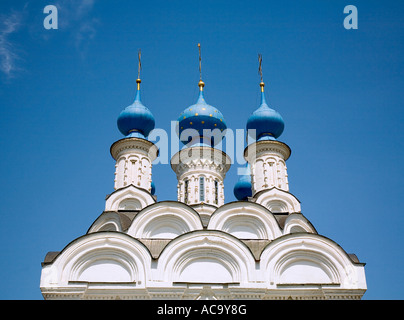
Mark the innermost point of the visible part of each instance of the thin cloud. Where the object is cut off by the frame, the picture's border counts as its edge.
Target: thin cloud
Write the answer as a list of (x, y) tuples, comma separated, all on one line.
[(75, 15), (9, 24), (86, 32), (84, 7), (73, 11)]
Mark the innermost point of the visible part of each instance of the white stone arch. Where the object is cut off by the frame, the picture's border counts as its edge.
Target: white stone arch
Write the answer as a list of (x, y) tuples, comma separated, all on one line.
[(206, 257), (277, 200), (271, 158), (128, 198), (306, 268), (120, 170), (166, 219), (132, 165), (108, 221), (304, 258), (146, 166), (130, 204), (146, 159), (107, 257), (109, 226), (245, 220), (258, 179), (206, 266), (105, 265), (296, 222)]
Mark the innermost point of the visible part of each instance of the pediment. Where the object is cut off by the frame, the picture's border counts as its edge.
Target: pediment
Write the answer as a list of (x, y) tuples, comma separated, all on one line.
[(129, 198)]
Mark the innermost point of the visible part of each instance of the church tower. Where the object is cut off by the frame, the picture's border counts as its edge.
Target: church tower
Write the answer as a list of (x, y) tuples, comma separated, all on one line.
[(266, 175), (267, 156), (200, 167), (134, 154)]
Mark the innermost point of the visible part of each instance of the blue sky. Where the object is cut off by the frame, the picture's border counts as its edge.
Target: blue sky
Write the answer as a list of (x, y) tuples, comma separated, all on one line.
[(339, 91)]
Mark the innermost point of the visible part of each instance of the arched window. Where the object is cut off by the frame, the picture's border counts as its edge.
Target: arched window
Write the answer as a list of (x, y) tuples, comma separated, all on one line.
[(186, 183), (216, 192), (201, 189)]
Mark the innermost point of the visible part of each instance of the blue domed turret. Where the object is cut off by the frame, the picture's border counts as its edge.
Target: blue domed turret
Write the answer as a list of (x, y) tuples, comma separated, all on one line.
[(201, 116), (267, 122), (136, 120), (243, 188)]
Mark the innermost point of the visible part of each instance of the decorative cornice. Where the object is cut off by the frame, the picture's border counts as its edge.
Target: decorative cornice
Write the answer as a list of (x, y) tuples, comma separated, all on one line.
[(223, 292), (201, 156), (128, 144), (255, 149)]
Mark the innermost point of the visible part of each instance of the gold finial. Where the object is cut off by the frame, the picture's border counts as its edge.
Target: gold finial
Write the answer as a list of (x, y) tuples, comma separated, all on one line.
[(138, 81), (262, 84), (201, 84)]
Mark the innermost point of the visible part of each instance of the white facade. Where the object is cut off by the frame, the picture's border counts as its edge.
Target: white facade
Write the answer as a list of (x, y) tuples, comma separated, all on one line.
[(199, 247)]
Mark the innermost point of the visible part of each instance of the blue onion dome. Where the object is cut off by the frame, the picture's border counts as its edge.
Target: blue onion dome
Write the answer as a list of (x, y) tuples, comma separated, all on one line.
[(201, 116), (243, 188), (153, 188), (136, 120), (267, 122)]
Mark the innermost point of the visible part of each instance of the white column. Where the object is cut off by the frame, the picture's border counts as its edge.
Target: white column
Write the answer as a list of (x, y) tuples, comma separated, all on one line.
[(193, 163), (267, 162), (134, 157)]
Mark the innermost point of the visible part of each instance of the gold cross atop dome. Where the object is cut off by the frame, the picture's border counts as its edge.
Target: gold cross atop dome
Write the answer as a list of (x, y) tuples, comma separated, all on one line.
[(138, 81), (262, 84), (201, 84)]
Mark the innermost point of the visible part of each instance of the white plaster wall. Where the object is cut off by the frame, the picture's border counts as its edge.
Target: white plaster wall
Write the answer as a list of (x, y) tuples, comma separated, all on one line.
[(123, 266)]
